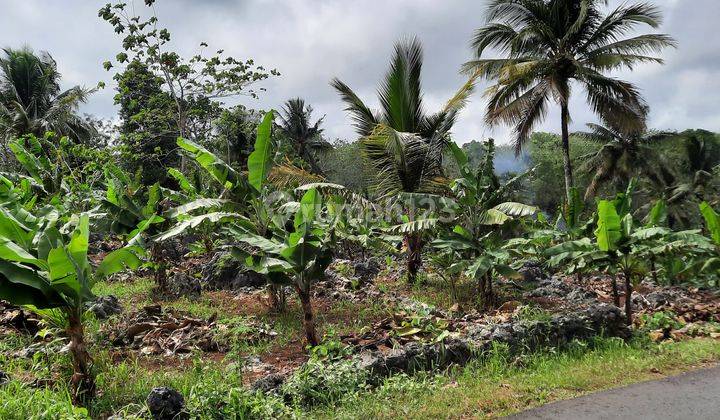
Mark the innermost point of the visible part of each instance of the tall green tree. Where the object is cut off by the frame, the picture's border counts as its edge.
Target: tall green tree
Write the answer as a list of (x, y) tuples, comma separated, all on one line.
[(195, 84), (549, 45), (305, 136), (403, 144), (624, 155), (148, 128), (32, 102)]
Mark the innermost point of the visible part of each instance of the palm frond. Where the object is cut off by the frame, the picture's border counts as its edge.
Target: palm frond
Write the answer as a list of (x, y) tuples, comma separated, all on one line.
[(364, 119)]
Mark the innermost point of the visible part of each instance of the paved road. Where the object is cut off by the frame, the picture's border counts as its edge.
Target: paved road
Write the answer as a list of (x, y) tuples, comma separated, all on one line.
[(691, 396)]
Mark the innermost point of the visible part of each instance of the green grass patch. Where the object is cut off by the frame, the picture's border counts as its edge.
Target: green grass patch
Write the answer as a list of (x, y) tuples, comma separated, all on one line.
[(499, 385)]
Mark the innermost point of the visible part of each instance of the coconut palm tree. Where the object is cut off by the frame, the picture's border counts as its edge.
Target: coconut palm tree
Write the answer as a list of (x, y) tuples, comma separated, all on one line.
[(698, 181), (549, 45), (624, 155), (402, 143), (305, 137), (31, 101)]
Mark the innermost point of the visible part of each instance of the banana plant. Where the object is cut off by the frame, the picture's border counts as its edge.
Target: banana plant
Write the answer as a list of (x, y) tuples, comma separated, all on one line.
[(712, 225), (43, 268), (297, 256), (134, 211), (480, 259), (479, 214), (621, 246), (246, 203)]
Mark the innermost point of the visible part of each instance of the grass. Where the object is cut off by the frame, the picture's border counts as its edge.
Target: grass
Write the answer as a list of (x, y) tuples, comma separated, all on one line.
[(499, 386), (492, 387), (212, 385)]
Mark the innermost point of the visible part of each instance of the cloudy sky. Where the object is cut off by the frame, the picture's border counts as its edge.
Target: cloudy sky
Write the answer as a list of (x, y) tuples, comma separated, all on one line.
[(312, 41)]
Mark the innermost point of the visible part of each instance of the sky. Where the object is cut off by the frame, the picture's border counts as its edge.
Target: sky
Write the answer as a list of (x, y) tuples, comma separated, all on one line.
[(312, 41)]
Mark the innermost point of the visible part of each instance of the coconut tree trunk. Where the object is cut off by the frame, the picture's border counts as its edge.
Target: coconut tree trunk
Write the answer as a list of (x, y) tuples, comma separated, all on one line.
[(308, 317), (628, 299), (83, 380), (307, 155), (567, 165)]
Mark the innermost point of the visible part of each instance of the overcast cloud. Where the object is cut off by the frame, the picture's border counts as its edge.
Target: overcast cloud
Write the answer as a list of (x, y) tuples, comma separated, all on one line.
[(312, 41)]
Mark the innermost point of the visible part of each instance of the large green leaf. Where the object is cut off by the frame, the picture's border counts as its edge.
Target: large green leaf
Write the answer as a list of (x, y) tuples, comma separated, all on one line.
[(493, 217), (516, 209), (79, 242), (416, 226), (260, 242), (31, 163), (185, 225), (712, 221), (460, 158), (63, 275), (182, 180), (574, 209), (479, 267), (201, 203), (309, 203), (13, 229), (10, 251), (22, 286), (608, 232), (118, 260), (154, 197), (260, 160), (216, 167), (658, 214)]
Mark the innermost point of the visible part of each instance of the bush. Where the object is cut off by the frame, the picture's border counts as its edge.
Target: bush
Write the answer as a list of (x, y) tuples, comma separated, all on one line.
[(210, 400), (318, 382)]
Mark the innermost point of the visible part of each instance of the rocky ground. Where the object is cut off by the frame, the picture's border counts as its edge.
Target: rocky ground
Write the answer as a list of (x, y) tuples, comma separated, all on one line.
[(407, 334)]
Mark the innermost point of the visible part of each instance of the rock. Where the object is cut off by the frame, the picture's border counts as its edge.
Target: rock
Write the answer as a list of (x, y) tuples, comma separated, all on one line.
[(18, 318), (4, 378), (579, 295), (373, 362), (559, 330), (657, 299), (166, 404), (224, 272), (105, 306), (550, 288), (174, 249), (181, 284), (532, 271), (366, 270), (268, 383)]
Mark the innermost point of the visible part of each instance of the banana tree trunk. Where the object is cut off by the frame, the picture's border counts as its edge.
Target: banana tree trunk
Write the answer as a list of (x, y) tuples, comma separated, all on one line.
[(308, 317), (616, 295), (414, 256), (160, 269), (83, 380), (276, 297), (567, 165), (653, 270), (485, 291), (628, 299)]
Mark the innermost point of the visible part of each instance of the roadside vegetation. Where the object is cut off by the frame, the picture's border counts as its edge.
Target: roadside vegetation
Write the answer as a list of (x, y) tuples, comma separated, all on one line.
[(200, 260)]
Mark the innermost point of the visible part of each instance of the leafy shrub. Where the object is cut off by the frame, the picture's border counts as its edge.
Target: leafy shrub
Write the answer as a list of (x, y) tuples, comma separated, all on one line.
[(210, 400), (330, 349), (665, 320), (318, 383)]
